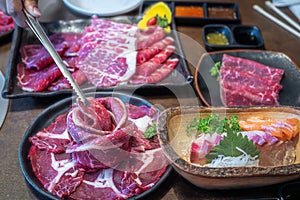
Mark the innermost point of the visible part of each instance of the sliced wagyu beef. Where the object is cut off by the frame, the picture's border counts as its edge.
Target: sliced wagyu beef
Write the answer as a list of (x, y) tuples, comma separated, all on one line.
[(109, 58), (35, 81), (98, 151), (253, 67), (245, 82), (57, 172), (105, 54), (37, 72)]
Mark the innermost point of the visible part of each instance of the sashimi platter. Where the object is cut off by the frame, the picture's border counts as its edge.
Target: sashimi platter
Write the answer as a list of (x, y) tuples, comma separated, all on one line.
[(227, 148)]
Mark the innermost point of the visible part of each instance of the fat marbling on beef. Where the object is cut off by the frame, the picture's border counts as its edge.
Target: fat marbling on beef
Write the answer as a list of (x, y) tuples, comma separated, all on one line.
[(245, 82), (106, 54), (98, 151), (111, 52), (35, 81), (37, 71)]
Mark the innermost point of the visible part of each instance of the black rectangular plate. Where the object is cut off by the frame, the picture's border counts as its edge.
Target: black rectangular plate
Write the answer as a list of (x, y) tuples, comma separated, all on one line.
[(179, 77)]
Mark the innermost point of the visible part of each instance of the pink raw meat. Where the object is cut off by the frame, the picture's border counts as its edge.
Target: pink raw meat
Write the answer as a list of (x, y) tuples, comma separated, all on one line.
[(145, 54), (158, 75), (54, 138), (56, 172), (245, 82), (261, 90), (107, 55), (35, 56), (71, 38), (155, 62), (63, 83), (148, 37), (108, 52), (253, 67), (36, 81)]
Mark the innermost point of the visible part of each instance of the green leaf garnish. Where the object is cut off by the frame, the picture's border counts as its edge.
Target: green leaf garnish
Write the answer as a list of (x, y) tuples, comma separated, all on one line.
[(215, 70), (150, 131), (227, 146)]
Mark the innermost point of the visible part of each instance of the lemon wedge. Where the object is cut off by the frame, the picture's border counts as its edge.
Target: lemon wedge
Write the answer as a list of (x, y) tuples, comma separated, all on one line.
[(159, 14)]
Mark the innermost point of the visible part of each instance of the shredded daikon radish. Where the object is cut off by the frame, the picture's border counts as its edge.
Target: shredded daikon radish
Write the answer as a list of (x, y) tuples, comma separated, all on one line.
[(239, 161)]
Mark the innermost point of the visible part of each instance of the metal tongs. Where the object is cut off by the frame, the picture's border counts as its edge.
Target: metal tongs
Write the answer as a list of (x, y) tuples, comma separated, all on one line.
[(37, 29)]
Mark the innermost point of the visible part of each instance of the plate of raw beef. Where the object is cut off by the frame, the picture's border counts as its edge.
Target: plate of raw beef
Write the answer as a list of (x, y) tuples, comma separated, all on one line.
[(241, 78), (109, 160), (101, 54)]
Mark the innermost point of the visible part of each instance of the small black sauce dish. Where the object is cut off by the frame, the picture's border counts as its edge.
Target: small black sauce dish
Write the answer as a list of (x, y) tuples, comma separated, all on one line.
[(239, 37), (247, 35), (222, 36)]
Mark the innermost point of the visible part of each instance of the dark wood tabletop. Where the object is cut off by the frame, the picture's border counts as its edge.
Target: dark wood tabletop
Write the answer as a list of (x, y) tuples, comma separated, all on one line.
[(23, 111)]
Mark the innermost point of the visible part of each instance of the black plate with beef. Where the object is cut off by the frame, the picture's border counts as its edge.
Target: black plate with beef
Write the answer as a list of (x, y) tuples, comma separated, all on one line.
[(178, 78)]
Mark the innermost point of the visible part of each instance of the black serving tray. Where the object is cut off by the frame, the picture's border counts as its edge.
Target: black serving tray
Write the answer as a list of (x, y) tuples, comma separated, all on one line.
[(179, 77), (239, 37), (208, 17)]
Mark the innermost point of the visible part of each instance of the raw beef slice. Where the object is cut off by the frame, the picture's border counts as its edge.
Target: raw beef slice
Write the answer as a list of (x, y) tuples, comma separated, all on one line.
[(35, 81), (56, 172), (245, 82)]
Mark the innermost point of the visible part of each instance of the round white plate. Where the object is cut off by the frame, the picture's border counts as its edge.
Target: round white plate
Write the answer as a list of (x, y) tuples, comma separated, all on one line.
[(102, 7)]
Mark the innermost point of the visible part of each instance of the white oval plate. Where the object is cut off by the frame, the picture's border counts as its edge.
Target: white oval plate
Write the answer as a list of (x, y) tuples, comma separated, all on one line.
[(102, 7)]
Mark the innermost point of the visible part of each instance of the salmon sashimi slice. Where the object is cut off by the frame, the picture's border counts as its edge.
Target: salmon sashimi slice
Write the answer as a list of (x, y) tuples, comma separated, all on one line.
[(283, 130)]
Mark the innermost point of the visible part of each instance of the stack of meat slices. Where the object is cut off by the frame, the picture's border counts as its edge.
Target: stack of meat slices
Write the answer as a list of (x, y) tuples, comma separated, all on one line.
[(245, 82), (106, 54), (112, 53), (37, 70)]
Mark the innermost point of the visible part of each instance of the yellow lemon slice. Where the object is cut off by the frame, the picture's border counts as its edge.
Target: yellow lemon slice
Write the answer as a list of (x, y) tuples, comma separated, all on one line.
[(161, 9), (158, 14)]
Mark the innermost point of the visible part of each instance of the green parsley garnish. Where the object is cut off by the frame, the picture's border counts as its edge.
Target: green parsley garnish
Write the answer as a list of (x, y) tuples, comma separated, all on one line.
[(162, 21), (215, 70), (213, 124), (150, 131)]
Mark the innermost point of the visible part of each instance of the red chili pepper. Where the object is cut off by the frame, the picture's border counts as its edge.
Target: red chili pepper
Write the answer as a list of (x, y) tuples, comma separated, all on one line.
[(152, 21)]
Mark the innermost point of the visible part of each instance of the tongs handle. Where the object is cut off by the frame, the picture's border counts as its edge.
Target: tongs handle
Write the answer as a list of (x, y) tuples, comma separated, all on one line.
[(37, 29)]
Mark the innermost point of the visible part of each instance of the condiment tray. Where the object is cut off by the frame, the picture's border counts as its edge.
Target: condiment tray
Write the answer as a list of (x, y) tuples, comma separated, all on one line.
[(221, 37), (200, 13)]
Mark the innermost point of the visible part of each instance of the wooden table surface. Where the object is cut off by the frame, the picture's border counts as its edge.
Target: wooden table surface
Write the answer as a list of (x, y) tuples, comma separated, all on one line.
[(22, 111)]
